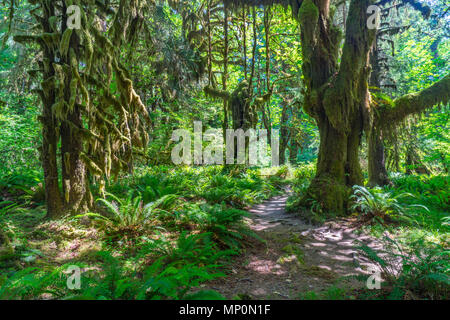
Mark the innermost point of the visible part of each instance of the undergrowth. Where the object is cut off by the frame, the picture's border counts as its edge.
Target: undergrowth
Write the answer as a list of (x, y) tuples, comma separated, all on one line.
[(163, 231)]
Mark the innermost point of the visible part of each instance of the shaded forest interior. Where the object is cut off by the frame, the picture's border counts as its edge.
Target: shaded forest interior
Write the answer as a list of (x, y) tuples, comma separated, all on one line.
[(92, 93)]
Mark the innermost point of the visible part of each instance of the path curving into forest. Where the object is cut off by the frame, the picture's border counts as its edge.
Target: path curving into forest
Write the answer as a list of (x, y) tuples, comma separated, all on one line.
[(296, 257)]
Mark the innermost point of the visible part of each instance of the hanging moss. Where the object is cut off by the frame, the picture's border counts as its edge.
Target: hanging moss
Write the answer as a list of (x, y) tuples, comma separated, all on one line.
[(88, 82), (64, 44), (308, 16), (93, 167), (415, 103)]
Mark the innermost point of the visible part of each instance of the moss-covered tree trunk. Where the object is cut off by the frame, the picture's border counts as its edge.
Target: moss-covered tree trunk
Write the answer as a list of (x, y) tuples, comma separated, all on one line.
[(75, 184), (74, 171), (378, 175), (48, 150), (49, 158), (337, 97), (95, 127), (338, 167)]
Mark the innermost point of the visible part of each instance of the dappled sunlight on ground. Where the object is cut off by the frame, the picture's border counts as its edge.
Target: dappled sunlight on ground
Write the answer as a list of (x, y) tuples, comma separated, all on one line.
[(297, 257)]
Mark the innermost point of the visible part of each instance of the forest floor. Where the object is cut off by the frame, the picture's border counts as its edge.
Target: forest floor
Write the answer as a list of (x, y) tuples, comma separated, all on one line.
[(295, 257)]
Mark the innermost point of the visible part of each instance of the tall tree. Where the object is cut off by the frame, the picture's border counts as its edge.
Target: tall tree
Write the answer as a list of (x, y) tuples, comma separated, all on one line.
[(336, 92), (381, 79), (90, 110)]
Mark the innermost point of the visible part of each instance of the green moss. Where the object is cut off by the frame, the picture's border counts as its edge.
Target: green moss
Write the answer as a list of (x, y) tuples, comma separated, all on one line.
[(65, 41), (315, 271), (308, 13), (327, 197), (292, 252)]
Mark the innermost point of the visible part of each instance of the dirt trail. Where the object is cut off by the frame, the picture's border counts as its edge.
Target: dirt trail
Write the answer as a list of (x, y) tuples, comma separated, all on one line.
[(297, 257)]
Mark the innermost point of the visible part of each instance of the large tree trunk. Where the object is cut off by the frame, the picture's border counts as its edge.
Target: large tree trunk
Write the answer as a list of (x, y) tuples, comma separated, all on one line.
[(338, 167), (329, 185), (75, 185), (74, 171), (378, 175), (293, 152), (49, 133), (337, 97)]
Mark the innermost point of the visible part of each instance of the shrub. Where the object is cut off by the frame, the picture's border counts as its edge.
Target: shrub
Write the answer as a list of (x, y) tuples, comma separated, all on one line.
[(433, 191)]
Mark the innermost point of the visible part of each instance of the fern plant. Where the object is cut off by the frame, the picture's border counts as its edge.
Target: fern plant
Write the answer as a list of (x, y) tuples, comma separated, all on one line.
[(130, 214), (379, 205), (6, 232), (421, 271), (161, 280), (226, 225)]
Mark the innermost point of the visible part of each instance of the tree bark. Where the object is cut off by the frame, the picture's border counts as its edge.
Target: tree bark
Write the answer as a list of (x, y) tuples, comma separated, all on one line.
[(75, 185), (337, 97), (74, 170), (378, 175), (49, 132), (284, 133)]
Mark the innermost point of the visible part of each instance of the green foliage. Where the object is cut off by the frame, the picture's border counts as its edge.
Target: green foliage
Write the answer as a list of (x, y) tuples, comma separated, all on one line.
[(226, 225), (158, 281), (30, 283), (433, 191), (6, 232), (130, 215), (376, 204), (241, 191), (20, 134), (305, 172), (213, 184), (332, 293), (421, 271), (188, 248)]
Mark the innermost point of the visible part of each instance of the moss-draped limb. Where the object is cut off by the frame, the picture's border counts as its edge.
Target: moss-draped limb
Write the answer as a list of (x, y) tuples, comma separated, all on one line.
[(217, 93), (415, 103), (388, 114)]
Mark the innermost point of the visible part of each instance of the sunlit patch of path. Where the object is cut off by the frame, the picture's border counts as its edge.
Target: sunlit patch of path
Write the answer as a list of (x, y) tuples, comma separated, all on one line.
[(296, 256)]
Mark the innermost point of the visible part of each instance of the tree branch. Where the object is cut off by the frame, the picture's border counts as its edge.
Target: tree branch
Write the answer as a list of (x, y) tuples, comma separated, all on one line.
[(216, 93), (415, 103)]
